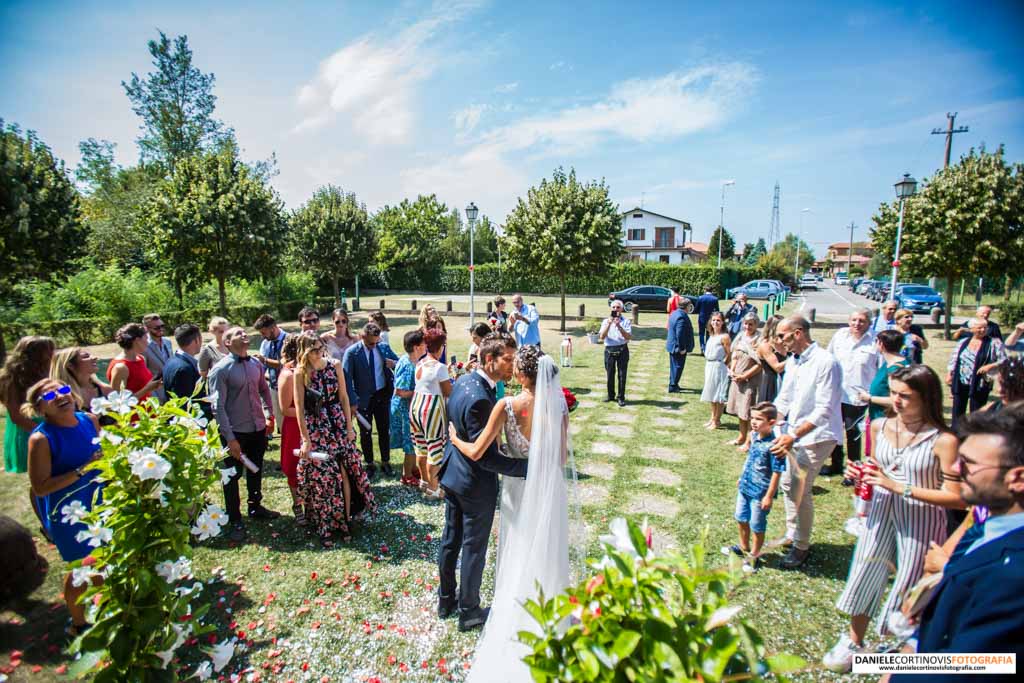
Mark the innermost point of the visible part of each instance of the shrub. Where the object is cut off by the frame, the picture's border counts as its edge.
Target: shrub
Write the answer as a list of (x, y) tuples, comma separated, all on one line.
[(643, 617), (1010, 313)]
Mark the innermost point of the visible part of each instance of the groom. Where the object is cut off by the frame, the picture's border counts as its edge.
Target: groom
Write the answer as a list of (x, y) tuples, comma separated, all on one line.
[(471, 487)]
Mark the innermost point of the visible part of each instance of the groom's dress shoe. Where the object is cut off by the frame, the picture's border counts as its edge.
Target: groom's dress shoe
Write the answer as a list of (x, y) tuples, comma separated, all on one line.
[(446, 608), (473, 619)]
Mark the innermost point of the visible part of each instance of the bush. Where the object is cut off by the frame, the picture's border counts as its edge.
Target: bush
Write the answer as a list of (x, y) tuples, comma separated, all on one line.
[(642, 617), (1010, 314)]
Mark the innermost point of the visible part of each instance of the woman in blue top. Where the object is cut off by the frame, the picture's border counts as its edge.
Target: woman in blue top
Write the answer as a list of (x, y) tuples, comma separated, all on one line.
[(405, 382), (59, 451)]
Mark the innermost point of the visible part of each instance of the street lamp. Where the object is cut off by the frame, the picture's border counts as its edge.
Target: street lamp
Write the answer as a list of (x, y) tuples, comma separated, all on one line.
[(796, 264), (721, 221), (471, 213), (905, 189)]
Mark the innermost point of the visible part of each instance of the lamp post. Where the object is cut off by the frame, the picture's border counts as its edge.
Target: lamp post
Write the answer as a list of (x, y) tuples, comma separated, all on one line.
[(721, 221), (905, 189), (471, 213), (796, 264)]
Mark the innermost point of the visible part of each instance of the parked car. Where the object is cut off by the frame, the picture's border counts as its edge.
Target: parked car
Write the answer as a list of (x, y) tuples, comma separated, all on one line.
[(646, 297), (809, 281), (918, 298), (855, 283), (877, 290), (758, 289), (841, 279)]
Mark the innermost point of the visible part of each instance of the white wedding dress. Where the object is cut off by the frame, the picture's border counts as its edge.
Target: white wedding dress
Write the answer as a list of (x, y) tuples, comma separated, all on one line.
[(534, 531)]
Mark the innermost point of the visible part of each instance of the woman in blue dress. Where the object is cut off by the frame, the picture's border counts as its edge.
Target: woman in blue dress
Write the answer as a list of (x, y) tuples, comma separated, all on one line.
[(59, 451), (405, 382)]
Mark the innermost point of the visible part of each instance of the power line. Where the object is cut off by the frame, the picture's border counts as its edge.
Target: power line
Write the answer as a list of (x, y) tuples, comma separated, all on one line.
[(949, 133)]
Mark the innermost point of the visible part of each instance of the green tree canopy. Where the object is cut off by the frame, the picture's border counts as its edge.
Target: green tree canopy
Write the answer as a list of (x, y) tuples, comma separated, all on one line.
[(214, 219), (331, 235), (966, 221), (755, 252), (880, 266), (408, 235), (728, 245), (564, 228), (781, 262)]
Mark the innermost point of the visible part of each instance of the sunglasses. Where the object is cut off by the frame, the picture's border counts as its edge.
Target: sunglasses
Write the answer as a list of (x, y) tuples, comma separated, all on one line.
[(310, 321), (51, 395), (341, 322)]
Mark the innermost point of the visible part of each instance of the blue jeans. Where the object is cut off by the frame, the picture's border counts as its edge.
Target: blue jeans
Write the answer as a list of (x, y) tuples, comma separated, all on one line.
[(748, 510)]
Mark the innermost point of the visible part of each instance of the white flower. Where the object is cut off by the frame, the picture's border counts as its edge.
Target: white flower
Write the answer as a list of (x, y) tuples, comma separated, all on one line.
[(205, 528), (222, 654), (99, 406), (196, 423), (81, 576), (204, 671), (180, 633), (151, 467), (160, 492), (215, 514), (189, 590), (619, 538), (172, 572), (138, 454), (111, 437), (722, 615), (225, 475), (122, 402), (73, 513), (96, 535)]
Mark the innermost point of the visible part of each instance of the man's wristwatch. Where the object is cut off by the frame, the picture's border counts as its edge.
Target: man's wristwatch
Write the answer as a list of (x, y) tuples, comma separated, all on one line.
[(907, 490)]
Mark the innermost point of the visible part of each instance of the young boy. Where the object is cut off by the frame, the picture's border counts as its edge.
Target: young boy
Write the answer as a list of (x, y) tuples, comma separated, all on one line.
[(758, 482)]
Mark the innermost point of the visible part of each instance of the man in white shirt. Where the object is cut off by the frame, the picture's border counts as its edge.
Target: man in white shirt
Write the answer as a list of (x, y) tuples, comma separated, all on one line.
[(811, 424), (158, 350), (524, 322), (855, 349), (887, 319), (616, 331)]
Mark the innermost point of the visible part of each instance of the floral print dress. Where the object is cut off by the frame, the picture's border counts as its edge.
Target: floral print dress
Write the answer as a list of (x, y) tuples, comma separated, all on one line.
[(320, 481)]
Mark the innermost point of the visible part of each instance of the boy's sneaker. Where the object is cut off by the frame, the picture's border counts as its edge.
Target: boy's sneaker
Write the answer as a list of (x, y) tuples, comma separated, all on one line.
[(840, 657)]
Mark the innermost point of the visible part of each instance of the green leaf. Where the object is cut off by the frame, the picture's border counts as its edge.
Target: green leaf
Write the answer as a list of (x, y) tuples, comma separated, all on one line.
[(785, 663), (84, 664), (625, 643)]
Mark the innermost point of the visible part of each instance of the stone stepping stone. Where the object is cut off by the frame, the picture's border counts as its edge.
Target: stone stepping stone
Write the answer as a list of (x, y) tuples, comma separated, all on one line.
[(592, 494), (605, 448), (575, 428), (620, 431), (648, 503), (602, 470), (662, 453), (588, 404), (660, 476), (620, 418), (667, 422)]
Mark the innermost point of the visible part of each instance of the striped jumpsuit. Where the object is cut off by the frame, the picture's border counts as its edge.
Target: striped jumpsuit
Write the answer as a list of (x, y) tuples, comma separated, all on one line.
[(897, 531)]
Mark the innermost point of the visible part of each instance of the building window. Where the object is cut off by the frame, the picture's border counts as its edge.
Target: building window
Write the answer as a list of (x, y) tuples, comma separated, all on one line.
[(635, 234), (664, 258), (664, 238), (638, 215)]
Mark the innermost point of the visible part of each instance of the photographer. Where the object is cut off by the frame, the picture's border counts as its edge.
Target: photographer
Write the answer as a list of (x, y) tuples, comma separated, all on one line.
[(616, 331)]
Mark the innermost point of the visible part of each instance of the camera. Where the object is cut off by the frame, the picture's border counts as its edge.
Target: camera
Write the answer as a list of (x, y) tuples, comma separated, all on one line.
[(615, 313)]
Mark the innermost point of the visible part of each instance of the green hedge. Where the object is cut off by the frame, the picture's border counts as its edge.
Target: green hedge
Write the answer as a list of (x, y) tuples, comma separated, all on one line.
[(1010, 314)]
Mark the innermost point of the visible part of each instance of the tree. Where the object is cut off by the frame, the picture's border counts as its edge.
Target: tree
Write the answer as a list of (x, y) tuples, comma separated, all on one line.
[(213, 219), (756, 251), (781, 260), (455, 243), (176, 103), (728, 245), (967, 221), (408, 234), (485, 241), (564, 228), (41, 230), (331, 235)]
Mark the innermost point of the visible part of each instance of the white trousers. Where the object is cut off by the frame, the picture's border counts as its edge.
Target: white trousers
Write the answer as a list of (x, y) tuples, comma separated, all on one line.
[(802, 467)]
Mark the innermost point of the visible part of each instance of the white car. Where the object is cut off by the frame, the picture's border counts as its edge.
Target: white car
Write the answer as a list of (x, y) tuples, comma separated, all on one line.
[(842, 280), (809, 282)]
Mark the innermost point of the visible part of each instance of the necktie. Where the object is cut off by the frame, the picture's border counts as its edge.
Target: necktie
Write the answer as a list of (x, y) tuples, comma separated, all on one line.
[(373, 371)]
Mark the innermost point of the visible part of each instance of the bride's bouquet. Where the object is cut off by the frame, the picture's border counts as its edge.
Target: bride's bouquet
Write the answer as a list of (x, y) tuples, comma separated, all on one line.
[(456, 369), (570, 400)]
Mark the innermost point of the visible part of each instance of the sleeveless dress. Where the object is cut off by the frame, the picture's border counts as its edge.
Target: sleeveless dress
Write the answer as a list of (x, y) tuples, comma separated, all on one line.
[(15, 447), (405, 379), (741, 394), (716, 375), (769, 386), (70, 447), (291, 441), (320, 482), (897, 531), (139, 374), (515, 445)]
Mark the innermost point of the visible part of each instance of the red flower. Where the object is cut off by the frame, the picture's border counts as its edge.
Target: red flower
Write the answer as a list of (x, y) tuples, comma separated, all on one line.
[(570, 399)]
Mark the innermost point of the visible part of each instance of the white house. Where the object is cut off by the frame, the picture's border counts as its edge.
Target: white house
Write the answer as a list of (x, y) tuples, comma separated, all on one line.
[(649, 236)]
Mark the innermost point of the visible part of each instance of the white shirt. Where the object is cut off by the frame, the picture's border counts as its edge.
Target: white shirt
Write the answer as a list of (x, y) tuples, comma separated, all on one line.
[(487, 378), (812, 391), (859, 359), (429, 375), (613, 336)]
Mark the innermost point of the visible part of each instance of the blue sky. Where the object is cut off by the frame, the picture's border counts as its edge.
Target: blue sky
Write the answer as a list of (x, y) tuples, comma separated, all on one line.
[(478, 101)]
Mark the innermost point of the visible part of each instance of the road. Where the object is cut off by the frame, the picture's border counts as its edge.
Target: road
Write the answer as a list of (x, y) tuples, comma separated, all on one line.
[(834, 304)]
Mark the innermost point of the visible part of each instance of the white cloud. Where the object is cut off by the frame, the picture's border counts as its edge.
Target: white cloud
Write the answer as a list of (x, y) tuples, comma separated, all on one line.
[(466, 119), (507, 87), (560, 66)]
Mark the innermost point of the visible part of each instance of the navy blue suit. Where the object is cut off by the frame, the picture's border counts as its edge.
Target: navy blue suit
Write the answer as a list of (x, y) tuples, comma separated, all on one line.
[(372, 403), (181, 375), (707, 304), (471, 489), (678, 343), (978, 606)]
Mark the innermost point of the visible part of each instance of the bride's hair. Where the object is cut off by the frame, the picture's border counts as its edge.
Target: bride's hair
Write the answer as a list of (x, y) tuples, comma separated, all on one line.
[(528, 361)]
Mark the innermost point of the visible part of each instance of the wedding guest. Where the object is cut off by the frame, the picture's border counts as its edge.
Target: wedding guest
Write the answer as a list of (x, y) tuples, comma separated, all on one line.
[(309, 320), (128, 370), (214, 349), (739, 310), (1015, 342), (678, 343), (889, 343), (677, 301), (772, 359), (968, 368), (855, 348), (914, 341), (1010, 374), (430, 319), (427, 417), (757, 484), (524, 322), (499, 318), (744, 373), (158, 350), (181, 373), (59, 452), (707, 303), (405, 383), (335, 488), (915, 482), (616, 331), (716, 369), (476, 335), (270, 356), (368, 367), (27, 363), (378, 318), (291, 438), (77, 366), (809, 403), (984, 312), (241, 396), (887, 319), (341, 337)]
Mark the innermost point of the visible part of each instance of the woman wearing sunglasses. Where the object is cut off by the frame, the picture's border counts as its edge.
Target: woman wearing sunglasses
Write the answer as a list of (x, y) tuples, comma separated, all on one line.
[(59, 451), (341, 337)]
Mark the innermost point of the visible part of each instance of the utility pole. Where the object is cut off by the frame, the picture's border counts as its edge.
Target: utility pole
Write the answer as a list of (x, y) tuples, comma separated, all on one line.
[(949, 133), (774, 230), (849, 263)]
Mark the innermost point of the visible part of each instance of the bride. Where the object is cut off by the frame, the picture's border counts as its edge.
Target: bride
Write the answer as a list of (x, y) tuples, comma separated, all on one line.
[(533, 538)]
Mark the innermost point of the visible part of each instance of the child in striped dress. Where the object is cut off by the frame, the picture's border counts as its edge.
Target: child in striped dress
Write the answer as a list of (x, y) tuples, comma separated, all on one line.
[(427, 417)]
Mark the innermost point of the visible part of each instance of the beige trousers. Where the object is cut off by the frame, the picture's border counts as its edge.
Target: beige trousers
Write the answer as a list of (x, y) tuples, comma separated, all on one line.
[(802, 467)]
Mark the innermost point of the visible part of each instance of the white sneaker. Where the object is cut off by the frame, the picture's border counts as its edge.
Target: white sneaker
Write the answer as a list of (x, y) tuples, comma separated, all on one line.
[(840, 657)]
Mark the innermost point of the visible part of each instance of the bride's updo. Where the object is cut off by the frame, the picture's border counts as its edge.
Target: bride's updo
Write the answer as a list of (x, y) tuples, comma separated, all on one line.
[(527, 362)]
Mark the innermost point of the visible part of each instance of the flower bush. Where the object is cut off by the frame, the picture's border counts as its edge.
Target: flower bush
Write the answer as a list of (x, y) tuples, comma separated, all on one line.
[(645, 617), (158, 464)]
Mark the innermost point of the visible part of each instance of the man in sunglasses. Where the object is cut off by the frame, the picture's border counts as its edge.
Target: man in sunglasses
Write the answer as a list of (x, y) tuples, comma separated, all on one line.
[(309, 320), (158, 350)]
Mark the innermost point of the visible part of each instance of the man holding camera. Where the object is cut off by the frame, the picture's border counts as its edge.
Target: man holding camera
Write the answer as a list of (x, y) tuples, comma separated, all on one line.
[(616, 331)]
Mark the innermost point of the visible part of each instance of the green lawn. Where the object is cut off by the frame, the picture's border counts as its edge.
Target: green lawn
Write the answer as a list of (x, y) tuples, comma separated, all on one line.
[(370, 610)]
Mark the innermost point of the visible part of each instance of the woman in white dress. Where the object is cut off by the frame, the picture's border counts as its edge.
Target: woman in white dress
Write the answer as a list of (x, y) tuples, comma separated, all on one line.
[(533, 541), (716, 369)]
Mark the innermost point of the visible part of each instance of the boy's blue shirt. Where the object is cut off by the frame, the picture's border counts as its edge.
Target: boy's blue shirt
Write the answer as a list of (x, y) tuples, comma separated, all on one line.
[(760, 465)]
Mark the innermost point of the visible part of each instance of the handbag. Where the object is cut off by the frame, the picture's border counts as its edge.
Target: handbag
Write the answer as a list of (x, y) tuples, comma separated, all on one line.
[(314, 400)]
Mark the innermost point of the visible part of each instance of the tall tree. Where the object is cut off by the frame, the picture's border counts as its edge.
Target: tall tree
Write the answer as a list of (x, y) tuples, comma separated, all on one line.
[(331, 235), (485, 241), (757, 250), (175, 102), (408, 234), (564, 228), (454, 245), (728, 245), (967, 221), (781, 260), (214, 219), (880, 266)]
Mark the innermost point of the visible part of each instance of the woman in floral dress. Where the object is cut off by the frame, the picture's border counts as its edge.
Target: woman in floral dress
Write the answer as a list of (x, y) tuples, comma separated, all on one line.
[(336, 488)]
